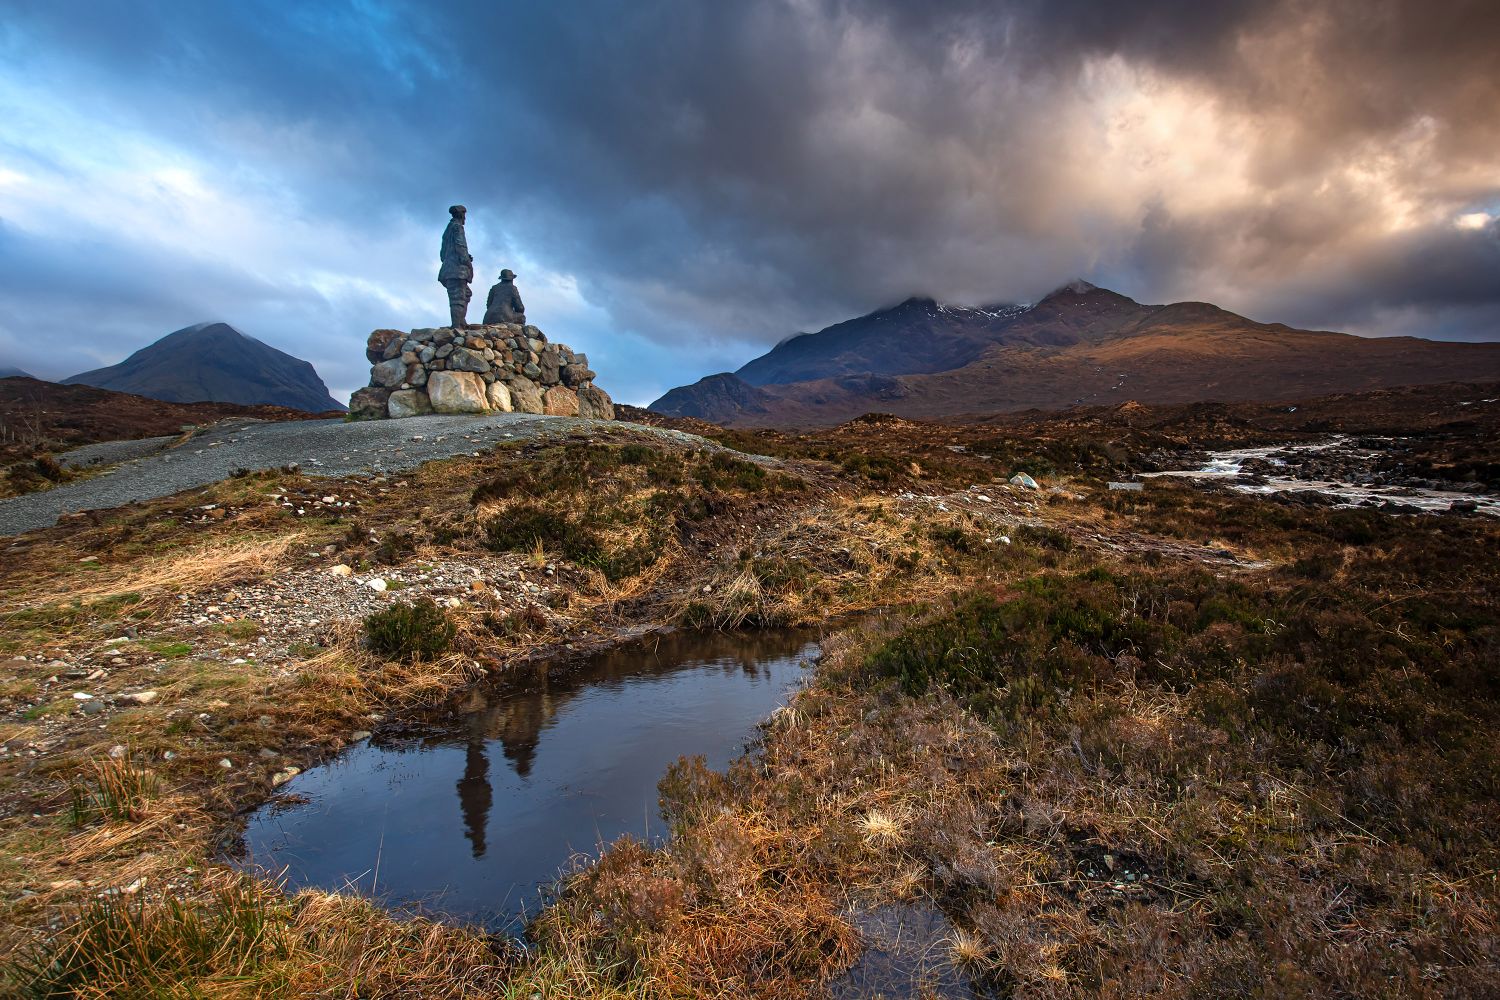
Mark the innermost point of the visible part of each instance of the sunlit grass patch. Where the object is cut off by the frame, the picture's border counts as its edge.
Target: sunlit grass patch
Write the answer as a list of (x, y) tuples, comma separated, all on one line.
[(168, 649), (882, 829)]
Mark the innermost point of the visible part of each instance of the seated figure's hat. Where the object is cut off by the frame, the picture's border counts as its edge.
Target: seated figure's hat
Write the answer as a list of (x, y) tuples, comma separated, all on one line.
[(507, 275), (455, 209)]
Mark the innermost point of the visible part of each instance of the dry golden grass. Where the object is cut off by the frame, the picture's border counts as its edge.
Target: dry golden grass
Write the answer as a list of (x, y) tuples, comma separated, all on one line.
[(201, 567)]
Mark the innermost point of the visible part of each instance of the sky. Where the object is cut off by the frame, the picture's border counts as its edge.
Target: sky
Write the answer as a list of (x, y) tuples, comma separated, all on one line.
[(682, 184)]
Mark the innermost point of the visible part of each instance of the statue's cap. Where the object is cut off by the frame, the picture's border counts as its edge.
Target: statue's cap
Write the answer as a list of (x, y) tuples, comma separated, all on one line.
[(456, 209), (507, 273)]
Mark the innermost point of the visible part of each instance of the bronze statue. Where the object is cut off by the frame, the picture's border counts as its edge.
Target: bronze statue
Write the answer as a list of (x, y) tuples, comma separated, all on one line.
[(458, 268), (504, 304)]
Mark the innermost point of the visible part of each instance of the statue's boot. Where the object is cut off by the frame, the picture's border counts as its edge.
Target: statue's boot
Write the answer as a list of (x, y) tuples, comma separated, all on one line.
[(456, 318)]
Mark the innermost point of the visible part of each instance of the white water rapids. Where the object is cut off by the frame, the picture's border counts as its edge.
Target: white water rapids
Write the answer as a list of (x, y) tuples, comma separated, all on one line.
[(1229, 465)]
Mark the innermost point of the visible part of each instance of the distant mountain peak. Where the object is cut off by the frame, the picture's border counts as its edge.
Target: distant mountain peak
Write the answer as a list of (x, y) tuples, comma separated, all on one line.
[(214, 362)]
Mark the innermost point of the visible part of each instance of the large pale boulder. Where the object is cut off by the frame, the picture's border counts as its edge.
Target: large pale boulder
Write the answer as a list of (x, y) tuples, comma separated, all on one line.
[(408, 403), (457, 392), (499, 397), (368, 403), (594, 402), (526, 396), (560, 401)]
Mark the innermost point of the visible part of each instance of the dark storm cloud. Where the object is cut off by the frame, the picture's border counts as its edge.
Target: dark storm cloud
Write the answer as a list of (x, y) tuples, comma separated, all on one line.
[(718, 175)]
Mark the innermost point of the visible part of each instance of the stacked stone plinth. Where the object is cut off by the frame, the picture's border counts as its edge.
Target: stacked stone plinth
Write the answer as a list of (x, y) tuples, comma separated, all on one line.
[(486, 369)]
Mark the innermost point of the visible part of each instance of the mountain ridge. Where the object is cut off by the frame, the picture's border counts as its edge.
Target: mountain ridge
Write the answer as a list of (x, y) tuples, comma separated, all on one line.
[(1079, 344)]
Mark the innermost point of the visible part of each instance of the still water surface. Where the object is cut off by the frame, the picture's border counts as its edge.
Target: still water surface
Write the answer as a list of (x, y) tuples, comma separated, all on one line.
[(470, 817)]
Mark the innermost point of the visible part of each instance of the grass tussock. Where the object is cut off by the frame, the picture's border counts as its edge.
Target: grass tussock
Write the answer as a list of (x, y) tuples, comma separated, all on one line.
[(129, 948), (237, 937), (118, 789)]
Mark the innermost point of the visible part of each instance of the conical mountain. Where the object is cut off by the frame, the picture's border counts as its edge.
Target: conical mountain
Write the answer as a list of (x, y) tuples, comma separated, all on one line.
[(215, 362)]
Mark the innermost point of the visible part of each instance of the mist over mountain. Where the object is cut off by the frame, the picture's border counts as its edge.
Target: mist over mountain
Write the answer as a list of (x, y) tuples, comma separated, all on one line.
[(1079, 345), (215, 362)]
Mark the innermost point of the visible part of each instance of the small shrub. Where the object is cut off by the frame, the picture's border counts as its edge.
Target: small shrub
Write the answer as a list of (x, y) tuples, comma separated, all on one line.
[(526, 619), (880, 468), (950, 537), (1044, 537), (410, 632), (50, 469), (723, 471), (395, 547)]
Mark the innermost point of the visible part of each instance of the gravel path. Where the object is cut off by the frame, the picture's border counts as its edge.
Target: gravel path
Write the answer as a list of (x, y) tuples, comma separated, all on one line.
[(320, 447)]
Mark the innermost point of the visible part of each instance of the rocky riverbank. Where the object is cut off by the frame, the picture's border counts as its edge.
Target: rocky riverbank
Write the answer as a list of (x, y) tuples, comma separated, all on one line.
[(1340, 471)]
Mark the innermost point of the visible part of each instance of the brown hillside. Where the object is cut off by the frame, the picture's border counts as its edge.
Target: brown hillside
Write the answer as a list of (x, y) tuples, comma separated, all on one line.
[(37, 415)]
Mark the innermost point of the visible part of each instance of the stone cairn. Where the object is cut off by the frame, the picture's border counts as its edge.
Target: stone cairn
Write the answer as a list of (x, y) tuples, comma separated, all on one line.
[(506, 368)]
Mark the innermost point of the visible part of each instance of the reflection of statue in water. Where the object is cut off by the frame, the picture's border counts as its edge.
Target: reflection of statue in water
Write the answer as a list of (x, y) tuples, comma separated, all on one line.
[(517, 723), (474, 793), (504, 304), (458, 268)]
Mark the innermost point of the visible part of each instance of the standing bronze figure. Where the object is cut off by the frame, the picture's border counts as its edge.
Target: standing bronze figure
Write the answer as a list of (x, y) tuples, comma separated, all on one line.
[(504, 304), (458, 268)]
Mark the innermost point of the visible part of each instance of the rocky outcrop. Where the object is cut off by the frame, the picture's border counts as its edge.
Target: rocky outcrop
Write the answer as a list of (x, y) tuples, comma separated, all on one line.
[(501, 368)]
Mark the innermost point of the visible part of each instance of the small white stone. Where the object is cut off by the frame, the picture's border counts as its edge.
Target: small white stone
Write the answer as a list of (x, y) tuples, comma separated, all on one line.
[(226, 763), (377, 584)]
